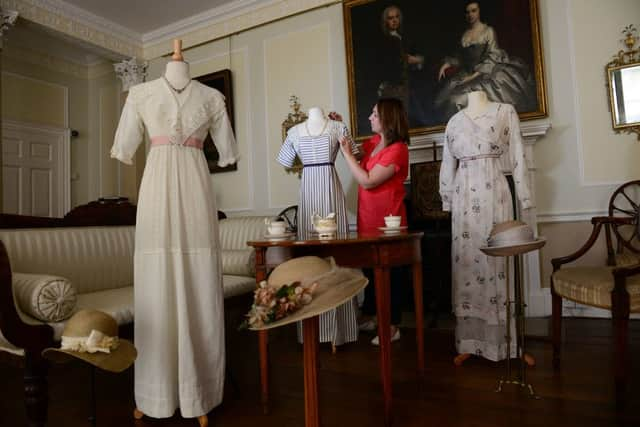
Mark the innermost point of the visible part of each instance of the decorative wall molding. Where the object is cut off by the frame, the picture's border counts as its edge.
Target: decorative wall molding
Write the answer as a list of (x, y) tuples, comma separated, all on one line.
[(205, 19), (49, 62), (224, 21), (8, 19), (65, 90), (130, 72), (578, 216), (99, 69), (420, 149), (216, 23), (79, 24)]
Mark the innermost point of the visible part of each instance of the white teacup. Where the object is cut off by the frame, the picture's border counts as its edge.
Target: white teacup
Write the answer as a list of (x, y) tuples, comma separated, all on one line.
[(276, 227), (392, 221)]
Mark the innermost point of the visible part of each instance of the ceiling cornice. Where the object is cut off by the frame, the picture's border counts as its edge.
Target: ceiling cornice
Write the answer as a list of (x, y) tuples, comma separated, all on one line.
[(216, 23), (204, 19), (78, 23), (223, 21)]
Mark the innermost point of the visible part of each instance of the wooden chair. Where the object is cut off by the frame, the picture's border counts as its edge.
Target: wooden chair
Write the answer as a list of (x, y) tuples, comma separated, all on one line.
[(290, 216), (425, 213), (614, 286)]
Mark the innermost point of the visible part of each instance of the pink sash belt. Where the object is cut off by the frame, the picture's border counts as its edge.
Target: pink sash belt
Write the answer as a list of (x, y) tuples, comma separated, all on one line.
[(189, 142)]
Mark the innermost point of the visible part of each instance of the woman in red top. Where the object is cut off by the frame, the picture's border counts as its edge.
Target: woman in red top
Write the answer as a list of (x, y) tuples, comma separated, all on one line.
[(381, 174)]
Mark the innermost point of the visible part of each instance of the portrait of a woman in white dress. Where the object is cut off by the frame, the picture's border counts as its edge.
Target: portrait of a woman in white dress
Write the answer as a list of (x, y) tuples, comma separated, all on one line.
[(480, 64)]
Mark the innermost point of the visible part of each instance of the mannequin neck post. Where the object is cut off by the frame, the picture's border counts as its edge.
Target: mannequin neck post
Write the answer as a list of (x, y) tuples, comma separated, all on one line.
[(477, 101), (316, 120), (177, 73), (315, 114)]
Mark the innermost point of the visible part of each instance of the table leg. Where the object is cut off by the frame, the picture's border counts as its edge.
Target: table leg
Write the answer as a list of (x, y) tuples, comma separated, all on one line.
[(263, 336), (383, 302), (263, 344), (310, 331), (417, 298)]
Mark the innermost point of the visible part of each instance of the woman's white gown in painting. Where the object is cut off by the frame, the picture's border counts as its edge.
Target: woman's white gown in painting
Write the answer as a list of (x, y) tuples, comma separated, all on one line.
[(179, 323), (321, 193), (473, 187)]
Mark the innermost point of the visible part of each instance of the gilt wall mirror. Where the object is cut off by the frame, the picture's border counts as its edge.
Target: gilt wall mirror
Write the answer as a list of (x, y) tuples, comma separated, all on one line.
[(623, 79)]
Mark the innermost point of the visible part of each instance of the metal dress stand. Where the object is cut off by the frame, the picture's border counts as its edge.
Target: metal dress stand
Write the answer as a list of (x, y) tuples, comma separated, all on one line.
[(521, 377)]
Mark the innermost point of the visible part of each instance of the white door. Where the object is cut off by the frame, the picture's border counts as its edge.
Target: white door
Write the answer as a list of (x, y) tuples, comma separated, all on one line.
[(35, 169)]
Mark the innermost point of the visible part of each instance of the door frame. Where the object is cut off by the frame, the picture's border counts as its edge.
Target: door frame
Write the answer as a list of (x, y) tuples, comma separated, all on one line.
[(63, 161)]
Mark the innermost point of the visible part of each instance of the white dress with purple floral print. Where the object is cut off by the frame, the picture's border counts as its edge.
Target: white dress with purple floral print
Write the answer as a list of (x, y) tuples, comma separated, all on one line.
[(474, 188)]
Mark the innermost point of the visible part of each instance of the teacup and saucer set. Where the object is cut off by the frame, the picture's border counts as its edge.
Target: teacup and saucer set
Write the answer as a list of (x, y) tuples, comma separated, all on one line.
[(324, 227), (277, 230), (392, 224)]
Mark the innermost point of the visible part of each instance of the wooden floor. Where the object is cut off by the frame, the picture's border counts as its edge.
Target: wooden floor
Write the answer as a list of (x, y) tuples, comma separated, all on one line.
[(580, 394)]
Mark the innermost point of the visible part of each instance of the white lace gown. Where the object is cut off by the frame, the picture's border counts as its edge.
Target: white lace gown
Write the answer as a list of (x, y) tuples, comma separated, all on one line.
[(473, 187), (179, 323)]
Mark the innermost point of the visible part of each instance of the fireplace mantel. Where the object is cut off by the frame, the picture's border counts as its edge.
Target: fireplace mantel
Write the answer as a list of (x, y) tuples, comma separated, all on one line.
[(538, 299)]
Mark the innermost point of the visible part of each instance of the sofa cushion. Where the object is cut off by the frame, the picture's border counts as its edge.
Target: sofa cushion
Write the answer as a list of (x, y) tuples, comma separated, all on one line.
[(45, 297), (236, 231), (238, 262), (92, 258), (237, 285)]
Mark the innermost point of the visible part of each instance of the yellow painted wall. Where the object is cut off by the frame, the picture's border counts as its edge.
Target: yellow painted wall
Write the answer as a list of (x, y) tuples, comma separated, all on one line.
[(33, 101), (607, 157), (306, 77)]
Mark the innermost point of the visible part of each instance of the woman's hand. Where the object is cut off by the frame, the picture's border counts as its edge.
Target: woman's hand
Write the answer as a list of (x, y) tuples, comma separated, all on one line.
[(345, 145), (335, 116), (443, 69)]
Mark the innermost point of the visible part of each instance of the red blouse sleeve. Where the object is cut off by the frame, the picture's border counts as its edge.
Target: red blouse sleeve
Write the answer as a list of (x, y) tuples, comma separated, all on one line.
[(396, 154)]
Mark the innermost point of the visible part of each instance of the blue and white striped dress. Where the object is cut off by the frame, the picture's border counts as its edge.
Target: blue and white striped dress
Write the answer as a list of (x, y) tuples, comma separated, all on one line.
[(321, 193)]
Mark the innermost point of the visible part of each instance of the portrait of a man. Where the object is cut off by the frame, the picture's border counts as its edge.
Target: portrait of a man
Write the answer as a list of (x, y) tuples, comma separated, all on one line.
[(400, 61), (431, 54)]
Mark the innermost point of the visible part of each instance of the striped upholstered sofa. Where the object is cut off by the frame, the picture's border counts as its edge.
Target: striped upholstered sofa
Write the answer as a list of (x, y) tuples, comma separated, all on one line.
[(48, 273)]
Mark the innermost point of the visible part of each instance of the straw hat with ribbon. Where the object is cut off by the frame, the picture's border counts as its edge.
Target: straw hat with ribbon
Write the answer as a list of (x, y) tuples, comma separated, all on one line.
[(92, 336), (328, 285), (511, 238)]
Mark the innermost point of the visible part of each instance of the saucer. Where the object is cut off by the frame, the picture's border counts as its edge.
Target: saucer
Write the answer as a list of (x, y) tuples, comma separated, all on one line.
[(280, 236), (325, 230), (393, 229)]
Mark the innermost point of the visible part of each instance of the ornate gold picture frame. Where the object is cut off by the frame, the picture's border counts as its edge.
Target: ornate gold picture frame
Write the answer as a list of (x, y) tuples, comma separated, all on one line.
[(220, 80), (293, 118), (407, 60)]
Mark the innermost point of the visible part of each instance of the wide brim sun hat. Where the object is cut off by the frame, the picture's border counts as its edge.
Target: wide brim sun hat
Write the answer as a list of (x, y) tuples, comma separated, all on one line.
[(334, 286), (512, 238), (92, 336)]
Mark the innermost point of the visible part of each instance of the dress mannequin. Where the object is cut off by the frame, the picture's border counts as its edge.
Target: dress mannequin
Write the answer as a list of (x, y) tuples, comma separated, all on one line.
[(178, 78), (315, 143), (477, 103), (316, 122)]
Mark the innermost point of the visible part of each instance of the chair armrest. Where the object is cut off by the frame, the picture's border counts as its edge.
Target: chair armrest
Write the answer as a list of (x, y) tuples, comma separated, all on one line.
[(597, 226), (30, 337), (628, 270), (598, 222)]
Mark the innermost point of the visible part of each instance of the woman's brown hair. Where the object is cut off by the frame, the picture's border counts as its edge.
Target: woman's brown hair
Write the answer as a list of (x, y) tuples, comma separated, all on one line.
[(394, 120)]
